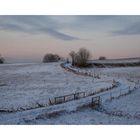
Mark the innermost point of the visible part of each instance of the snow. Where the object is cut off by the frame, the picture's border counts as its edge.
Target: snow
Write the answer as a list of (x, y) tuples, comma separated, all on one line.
[(27, 85), (86, 116), (70, 115), (132, 73), (30, 84), (128, 105), (41, 114)]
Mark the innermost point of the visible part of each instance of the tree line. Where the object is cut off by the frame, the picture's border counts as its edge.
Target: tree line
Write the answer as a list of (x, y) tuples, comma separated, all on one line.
[(79, 58)]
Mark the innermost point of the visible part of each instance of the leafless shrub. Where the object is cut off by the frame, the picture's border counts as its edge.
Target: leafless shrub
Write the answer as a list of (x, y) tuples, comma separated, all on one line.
[(80, 58)]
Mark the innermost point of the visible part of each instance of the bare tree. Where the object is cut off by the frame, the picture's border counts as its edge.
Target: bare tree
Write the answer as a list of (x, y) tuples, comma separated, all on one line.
[(83, 56), (73, 57), (80, 58), (2, 60)]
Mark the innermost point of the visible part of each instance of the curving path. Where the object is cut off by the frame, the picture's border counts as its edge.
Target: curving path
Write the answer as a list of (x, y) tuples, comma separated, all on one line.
[(125, 86)]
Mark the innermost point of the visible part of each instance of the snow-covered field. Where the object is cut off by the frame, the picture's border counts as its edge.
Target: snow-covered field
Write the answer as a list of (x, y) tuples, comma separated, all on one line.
[(29, 84), (126, 106), (24, 87), (132, 73), (129, 73)]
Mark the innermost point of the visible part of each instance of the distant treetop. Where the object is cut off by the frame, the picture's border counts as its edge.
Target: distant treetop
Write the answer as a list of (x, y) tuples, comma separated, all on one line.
[(102, 58), (51, 58)]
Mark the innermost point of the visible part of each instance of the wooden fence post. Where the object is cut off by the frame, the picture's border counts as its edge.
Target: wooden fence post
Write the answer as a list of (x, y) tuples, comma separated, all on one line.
[(91, 101), (50, 103), (74, 96), (96, 101), (85, 94), (64, 98), (120, 92), (55, 100), (110, 95)]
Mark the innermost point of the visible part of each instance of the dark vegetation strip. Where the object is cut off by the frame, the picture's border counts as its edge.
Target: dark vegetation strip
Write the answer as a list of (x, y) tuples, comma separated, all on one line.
[(103, 65)]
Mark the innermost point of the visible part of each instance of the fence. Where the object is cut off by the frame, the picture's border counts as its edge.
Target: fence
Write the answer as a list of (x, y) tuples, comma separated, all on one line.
[(105, 96), (78, 95), (117, 93), (67, 98), (96, 101)]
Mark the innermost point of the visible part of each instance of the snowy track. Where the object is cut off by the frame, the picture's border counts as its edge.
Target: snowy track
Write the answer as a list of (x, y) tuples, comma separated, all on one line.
[(125, 85)]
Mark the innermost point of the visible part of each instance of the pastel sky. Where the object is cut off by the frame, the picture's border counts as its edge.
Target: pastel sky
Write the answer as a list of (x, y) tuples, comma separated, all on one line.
[(28, 38)]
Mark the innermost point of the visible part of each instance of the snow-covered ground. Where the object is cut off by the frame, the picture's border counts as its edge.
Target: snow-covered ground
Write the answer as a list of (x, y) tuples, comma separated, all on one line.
[(129, 73), (126, 106), (132, 73), (120, 111), (25, 86)]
